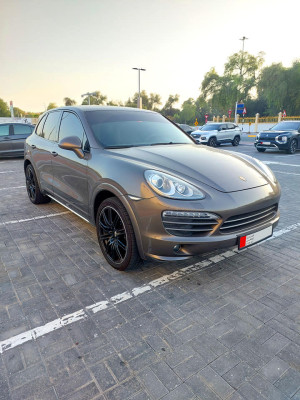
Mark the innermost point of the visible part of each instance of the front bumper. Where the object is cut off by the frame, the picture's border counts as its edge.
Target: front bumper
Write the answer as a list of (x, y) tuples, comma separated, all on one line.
[(272, 144), (157, 243)]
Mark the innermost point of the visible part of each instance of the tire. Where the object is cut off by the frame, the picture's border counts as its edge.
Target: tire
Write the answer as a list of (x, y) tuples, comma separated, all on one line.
[(116, 236), (32, 186), (292, 147), (260, 150), (236, 141), (212, 142)]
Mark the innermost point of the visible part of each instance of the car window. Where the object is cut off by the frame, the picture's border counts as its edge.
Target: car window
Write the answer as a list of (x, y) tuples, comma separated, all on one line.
[(230, 126), (51, 126), (286, 125), (131, 128), (4, 130), (70, 126), (39, 129), (20, 129)]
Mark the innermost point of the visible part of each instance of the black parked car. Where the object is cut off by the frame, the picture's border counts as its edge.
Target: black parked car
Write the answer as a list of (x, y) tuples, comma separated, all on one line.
[(283, 136), (12, 138)]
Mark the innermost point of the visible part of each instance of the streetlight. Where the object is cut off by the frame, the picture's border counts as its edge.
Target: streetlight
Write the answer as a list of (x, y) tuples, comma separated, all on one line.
[(89, 94), (139, 99), (241, 76)]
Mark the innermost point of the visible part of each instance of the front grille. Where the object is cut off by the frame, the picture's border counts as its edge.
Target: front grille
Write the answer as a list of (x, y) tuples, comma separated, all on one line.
[(245, 221), (189, 226)]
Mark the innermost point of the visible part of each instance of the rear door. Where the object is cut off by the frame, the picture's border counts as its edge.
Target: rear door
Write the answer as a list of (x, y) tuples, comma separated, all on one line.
[(19, 134), (5, 140), (222, 133)]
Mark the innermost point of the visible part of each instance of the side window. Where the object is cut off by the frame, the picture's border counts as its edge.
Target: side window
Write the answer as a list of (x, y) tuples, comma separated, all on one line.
[(20, 129), (39, 129), (231, 126), (4, 130), (70, 126), (50, 131)]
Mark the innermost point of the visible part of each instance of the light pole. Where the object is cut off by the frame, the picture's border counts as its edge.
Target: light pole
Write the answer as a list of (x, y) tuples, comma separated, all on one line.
[(241, 76), (139, 105), (89, 94)]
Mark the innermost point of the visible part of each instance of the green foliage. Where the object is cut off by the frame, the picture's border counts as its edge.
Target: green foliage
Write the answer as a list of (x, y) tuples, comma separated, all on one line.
[(51, 105), (69, 102), (97, 99), (168, 110), (188, 112), (4, 109), (148, 102)]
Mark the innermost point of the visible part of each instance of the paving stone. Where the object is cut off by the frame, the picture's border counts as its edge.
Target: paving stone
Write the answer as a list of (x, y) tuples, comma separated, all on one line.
[(215, 382), (124, 391), (153, 384), (199, 388), (274, 369), (181, 392), (266, 388), (239, 374), (225, 363), (189, 367), (289, 382)]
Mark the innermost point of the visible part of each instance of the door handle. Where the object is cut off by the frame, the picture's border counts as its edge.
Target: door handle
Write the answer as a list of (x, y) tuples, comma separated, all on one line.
[(54, 153)]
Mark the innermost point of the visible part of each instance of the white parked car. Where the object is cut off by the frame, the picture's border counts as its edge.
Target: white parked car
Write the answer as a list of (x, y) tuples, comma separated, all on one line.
[(214, 134)]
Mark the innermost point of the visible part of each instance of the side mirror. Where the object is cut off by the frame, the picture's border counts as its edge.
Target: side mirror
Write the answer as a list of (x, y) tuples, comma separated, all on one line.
[(72, 143)]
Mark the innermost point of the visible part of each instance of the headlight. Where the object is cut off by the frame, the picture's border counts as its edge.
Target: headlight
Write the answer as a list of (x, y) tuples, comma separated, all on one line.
[(267, 171), (203, 137), (170, 186), (282, 139)]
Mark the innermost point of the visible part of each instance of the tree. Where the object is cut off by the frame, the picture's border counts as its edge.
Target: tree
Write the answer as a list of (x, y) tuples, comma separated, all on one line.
[(96, 99), (4, 110), (69, 102), (153, 101), (188, 112), (18, 112), (168, 110), (51, 105)]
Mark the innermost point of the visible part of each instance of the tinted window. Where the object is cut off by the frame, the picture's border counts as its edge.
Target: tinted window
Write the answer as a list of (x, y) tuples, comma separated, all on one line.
[(210, 127), (20, 129), (230, 126), (39, 129), (51, 126), (133, 128), (4, 130), (285, 126), (70, 126)]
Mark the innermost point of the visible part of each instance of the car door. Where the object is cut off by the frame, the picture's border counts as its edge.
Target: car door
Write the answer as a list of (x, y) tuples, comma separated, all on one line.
[(5, 140), (19, 134), (41, 148), (222, 133), (69, 171)]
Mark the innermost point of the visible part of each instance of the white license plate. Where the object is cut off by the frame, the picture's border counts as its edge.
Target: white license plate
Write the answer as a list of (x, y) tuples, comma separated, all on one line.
[(245, 241), (267, 143)]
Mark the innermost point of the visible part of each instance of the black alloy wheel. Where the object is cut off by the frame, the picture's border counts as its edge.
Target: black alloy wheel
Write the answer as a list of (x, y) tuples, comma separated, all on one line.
[(212, 142), (236, 141), (260, 150), (115, 235), (32, 186), (292, 147)]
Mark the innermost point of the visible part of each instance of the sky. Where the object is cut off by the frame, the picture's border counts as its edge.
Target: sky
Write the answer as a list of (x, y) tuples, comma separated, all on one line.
[(64, 48)]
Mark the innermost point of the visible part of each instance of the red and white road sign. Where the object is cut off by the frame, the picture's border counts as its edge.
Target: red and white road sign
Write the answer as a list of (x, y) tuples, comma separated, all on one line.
[(229, 113), (284, 114), (206, 117), (244, 111)]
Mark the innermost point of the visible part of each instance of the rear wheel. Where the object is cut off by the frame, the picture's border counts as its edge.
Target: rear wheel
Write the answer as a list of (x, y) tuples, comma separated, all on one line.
[(116, 236), (212, 142), (292, 147), (236, 141), (260, 150), (32, 186)]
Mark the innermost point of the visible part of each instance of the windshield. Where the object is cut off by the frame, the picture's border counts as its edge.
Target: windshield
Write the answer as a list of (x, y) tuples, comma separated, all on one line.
[(210, 127), (125, 128), (286, 126)]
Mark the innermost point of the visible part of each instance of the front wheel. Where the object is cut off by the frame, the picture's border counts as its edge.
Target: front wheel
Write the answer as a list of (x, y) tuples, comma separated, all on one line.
[(212, 142), (116, 236), (292, 147), (32, 186), (236, 141), (260, 150)]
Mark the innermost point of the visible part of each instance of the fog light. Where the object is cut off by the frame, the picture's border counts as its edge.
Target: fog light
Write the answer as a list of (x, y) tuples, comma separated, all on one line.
[(177, 248)]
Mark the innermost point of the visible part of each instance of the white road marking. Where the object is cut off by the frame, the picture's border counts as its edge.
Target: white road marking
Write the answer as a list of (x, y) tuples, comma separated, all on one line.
[(5, 172), (281, 163), (58, 323), (13, 187), (287, 173), (16, 221)]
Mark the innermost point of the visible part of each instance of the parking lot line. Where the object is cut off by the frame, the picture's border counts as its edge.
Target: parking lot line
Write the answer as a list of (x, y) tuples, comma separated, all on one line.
[(5, 172), (280, 163), (287, 173), (83, 313), (13, 187), (16, 221)]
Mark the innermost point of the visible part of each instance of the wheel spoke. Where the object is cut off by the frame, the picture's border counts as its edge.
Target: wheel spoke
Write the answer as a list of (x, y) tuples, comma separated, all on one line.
[(122, 245)]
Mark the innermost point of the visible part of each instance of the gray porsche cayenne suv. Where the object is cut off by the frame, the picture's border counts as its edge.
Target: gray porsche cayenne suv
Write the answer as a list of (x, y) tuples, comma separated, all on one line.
[(148, 188)]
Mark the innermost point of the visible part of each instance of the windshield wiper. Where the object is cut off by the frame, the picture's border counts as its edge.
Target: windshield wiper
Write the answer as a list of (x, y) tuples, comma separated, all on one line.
[(158, 144)]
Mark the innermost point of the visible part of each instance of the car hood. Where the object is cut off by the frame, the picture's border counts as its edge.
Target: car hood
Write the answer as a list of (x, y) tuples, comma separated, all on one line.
[(273, 134), (221, 170)]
